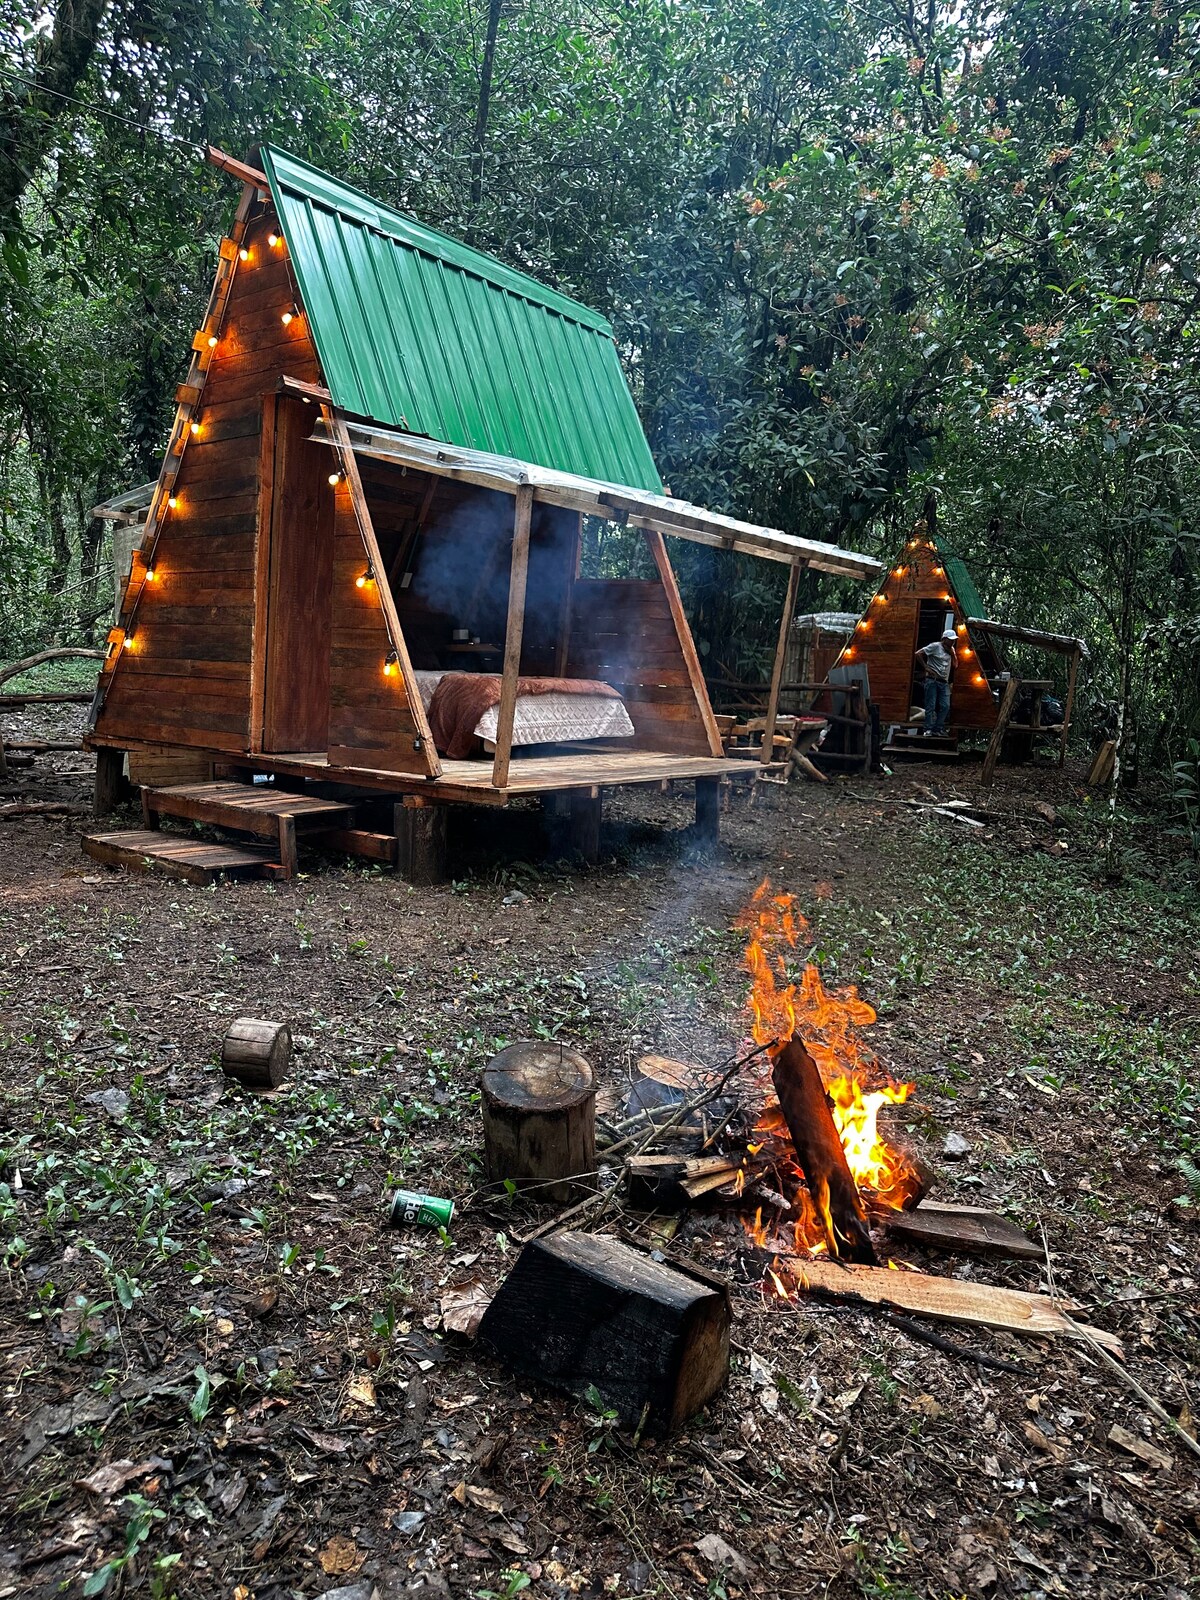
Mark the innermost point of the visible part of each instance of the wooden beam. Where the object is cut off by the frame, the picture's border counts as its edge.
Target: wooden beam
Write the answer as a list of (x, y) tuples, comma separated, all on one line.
[(387, 604), (1003, 718), (236, 169), (513, 633), (687, 644), (1068, 708), (262, 572), (785, 628)]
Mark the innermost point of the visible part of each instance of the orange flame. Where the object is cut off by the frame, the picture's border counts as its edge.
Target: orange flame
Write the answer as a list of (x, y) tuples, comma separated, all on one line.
[(829, 1024)]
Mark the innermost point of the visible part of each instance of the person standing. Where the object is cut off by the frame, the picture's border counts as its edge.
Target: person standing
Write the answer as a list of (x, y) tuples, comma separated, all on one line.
[(939, 661)]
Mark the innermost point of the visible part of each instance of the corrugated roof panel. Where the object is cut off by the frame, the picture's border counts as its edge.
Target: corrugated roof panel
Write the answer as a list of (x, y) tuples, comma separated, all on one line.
[(963, 586), (419, 331)]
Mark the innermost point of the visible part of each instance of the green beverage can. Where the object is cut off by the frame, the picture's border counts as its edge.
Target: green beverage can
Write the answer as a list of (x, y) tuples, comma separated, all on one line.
[(410, 1210)]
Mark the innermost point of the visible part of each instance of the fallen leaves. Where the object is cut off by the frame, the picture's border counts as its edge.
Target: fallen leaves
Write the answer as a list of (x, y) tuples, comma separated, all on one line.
[(462, 1307), (340, 1556)]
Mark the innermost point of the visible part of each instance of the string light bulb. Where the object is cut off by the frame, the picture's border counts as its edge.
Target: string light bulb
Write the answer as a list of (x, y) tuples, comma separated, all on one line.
[(151, 575), (365, 578), (979, 678), (194, 426), (392, 665), (290, 315), (243, 254), (172, 501), (274, 239), (335, 478), (127, 642), (966, 652), (212, 341)]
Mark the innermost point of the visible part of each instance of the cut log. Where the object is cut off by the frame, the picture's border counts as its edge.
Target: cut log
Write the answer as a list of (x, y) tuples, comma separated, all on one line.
[(539, 1120), (580, 1312), (819, 1152), (257, 1053), (944, 1299), (970, 1228)]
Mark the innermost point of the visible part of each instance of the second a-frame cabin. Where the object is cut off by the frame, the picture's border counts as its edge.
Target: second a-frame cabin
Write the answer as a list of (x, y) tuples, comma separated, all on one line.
[(361, 558)]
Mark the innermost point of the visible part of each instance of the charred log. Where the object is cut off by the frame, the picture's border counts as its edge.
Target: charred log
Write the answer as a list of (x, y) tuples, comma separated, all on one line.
[(819, 1152)]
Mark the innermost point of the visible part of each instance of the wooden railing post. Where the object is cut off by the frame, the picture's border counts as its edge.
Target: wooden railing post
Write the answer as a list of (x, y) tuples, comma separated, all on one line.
[(785, 628), (514, 629)]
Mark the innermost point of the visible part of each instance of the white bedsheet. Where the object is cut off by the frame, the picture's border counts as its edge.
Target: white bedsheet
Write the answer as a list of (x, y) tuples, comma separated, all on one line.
[(548, 718)]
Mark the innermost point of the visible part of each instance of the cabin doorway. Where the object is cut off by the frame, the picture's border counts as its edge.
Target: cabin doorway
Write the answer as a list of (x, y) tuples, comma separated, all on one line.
[(933, 619), (298, 580)]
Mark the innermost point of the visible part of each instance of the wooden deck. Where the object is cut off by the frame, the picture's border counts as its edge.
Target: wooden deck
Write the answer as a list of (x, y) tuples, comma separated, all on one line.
[(470, 782)]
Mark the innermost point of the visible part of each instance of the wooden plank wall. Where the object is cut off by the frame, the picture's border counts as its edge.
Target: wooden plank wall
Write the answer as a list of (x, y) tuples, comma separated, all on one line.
[(622, 631), (371, 723), (186, 678), (886, 639)]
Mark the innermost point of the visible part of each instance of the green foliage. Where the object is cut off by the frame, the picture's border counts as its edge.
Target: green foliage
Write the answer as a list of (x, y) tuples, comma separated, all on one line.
[(849, 257)]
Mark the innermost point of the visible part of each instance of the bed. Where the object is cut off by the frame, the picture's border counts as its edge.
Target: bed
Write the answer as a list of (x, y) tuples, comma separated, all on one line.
[(550, 716)]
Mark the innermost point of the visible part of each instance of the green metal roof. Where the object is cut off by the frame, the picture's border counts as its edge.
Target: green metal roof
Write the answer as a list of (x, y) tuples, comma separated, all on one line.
[(418, 331), (960, 582)]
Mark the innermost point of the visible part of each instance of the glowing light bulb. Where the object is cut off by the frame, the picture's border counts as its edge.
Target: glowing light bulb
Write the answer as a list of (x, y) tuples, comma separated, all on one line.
[(212, 341), (273, 239), (365, 579), (128, 642), (335, 478), (172, 501), (979, 678), (391, 666), (962, 628), (289, 316), (966, 652), (151, 575), (244, 254), (194, 426)]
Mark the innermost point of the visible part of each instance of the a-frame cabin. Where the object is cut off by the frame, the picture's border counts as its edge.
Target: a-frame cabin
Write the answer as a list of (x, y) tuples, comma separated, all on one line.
[(923, 594), (376, 477)]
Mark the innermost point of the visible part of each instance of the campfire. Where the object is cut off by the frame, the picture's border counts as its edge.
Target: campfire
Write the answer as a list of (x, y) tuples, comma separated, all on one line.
[(818, 1132)]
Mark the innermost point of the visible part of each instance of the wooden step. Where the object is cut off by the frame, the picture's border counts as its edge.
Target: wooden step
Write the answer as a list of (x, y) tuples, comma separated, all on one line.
[(246, 807), (173, 856), (256, 808)]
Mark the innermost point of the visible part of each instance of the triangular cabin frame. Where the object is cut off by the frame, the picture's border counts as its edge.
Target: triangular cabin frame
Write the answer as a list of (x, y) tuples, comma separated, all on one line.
[(281, 597), (912, 606)]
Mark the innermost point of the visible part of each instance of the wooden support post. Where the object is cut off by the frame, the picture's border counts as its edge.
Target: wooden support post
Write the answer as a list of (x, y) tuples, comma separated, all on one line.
[(421, 844), (539, 1120), (708, 811), (586, 810), (289, 858), (1072, 675), (785, 628), (1003, 717), (687, 644), (513, 633), (111, 784)]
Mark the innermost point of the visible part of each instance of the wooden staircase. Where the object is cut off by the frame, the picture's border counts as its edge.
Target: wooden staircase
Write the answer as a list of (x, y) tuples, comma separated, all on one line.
[(909, 740), (260, 810)]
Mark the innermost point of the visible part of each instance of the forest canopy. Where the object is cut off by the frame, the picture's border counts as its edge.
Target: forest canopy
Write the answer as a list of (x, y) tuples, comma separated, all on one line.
[(853, 255)]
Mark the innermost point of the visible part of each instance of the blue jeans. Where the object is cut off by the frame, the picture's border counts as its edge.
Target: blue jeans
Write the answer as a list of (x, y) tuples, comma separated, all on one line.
[(937, 705)]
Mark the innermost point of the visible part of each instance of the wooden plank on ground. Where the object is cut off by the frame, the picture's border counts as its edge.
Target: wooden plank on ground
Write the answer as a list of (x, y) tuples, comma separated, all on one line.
[(196, 861), (971, 1228), (944, 1299)]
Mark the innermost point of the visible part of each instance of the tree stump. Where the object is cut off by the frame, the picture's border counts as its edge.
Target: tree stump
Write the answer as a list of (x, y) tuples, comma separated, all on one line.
[(579, 1311), (539, 1119), (256, 1053)]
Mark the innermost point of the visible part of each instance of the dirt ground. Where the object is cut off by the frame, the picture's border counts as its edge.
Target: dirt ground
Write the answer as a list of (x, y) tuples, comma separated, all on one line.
[(226, 1376)]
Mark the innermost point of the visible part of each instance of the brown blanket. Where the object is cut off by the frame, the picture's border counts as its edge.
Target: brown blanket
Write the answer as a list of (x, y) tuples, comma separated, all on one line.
[(461, 698)]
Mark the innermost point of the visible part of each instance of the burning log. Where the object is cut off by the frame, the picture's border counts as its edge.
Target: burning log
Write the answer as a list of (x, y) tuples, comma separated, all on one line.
[(820, 1155), (580, 1311)]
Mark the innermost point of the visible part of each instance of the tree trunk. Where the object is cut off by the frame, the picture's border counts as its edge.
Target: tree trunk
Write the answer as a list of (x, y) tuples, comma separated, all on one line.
[(484, 105), (29, 117)]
